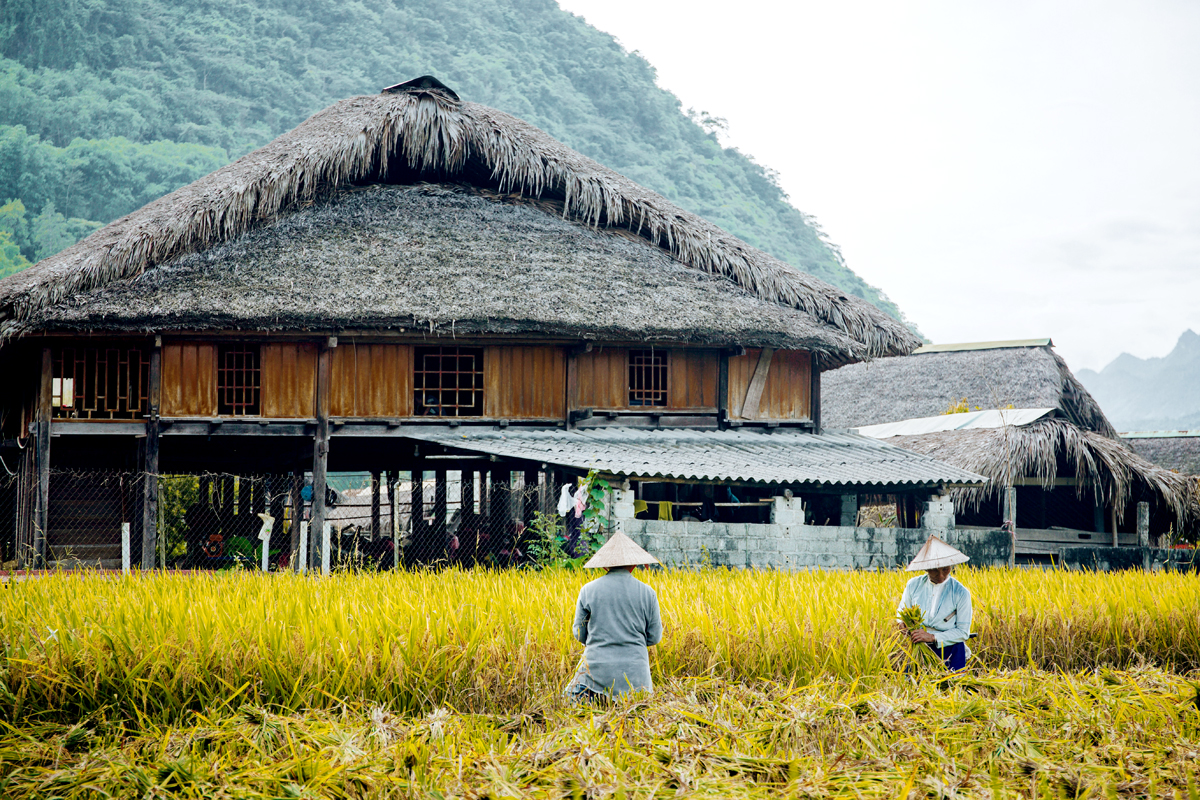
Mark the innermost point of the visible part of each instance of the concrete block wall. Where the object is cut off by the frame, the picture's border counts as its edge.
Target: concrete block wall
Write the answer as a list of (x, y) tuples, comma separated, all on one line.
[(775, 546)]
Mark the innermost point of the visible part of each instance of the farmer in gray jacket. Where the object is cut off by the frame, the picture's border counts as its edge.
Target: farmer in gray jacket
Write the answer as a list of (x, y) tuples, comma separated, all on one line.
[(616, 618)]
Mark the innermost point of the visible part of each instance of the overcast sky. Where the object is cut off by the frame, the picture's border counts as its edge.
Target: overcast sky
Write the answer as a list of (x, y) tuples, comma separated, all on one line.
[(1002, 171)]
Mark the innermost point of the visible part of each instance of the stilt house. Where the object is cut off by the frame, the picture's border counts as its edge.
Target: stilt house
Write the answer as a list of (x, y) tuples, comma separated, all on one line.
[(412, 285)]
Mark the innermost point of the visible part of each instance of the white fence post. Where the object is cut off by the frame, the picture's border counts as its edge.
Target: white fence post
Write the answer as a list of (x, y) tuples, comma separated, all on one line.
[(264, 536), (125, 547), (302, 558), (325, 529)]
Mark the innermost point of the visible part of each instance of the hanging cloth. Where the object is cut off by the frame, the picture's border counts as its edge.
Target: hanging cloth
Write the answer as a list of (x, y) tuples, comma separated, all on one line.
[(639, 506), (565, 501), (664, 510), (581, 500)]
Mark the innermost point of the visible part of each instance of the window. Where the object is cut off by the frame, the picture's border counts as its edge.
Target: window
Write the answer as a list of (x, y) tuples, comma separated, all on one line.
[(100, 382), (238, 380), (647, 378), (448, 381)]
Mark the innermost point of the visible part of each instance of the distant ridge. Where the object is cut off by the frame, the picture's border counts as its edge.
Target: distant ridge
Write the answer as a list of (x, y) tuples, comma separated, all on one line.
[(1150, 394)]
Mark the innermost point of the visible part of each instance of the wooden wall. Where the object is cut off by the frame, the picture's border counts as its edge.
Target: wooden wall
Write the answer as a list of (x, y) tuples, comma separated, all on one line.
[(602, 380), (371, 380), (787, 394), (189, 379), (289, 380), (524, 382), (692, 380), (374, 381)]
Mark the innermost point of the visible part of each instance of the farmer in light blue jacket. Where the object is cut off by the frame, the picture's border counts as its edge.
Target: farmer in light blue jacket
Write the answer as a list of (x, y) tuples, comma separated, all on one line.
[(945, 603), (617, 620)]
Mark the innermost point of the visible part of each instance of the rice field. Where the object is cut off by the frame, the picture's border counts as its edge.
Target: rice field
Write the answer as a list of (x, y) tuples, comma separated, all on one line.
[(449, 685)]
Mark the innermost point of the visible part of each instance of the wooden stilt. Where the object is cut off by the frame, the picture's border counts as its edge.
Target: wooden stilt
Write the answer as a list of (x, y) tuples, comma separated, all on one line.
[(297, 518), (41, 509), (375, 506), (150, 466), (439, 513), (320, 451)]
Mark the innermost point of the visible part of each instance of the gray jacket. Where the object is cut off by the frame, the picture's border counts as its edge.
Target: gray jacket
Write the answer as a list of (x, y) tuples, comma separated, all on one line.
[(616, 618)]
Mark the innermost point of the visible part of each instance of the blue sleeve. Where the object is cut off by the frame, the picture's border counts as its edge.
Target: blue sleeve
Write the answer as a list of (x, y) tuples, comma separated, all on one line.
[(654, 629), (582, 615)]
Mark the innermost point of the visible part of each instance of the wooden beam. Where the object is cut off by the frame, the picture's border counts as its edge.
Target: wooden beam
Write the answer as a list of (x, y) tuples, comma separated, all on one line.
[(722, 388), (150, 463), (41, 508), (439, 511), (417, 526), (757, 384), (320, 452), (815, 396), (297, 518), (375, 506)]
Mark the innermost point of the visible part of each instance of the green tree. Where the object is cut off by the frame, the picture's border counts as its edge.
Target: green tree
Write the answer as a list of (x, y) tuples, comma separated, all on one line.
[(11, 259)]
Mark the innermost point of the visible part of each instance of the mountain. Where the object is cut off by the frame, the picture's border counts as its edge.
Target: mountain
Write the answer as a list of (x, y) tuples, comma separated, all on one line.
[(1150, 394), (108, 104)]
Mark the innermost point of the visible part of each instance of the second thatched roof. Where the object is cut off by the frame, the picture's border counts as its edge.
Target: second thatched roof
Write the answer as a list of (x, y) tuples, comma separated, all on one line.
[(928, 382), (121, 277)]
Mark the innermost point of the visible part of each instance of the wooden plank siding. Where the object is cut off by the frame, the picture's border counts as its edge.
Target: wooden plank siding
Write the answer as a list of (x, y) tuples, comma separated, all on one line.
[(524, 382), (189, 379), (289, 380), (371, 380), (602, 379), (788, 391), (692, 380)]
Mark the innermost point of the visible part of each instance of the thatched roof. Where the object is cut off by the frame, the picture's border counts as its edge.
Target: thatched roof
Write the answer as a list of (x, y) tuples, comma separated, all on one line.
[(926, 384), (433, 258), (425, 135), (1172, 450), (1100, 463)]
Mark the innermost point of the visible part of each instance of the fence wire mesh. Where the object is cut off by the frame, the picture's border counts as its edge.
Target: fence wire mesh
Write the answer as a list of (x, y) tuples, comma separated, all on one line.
[(215, 521)]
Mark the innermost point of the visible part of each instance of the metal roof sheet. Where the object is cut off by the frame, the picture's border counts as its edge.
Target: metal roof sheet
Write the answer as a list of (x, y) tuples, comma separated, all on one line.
[(746, 456), (1158, 434), (955, 422), (1000, 345)]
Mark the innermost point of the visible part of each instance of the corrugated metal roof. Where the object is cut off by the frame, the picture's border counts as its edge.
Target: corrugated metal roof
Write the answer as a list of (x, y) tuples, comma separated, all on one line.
[(1158, 434), (1001, 345), (754, 456), (955, 422)]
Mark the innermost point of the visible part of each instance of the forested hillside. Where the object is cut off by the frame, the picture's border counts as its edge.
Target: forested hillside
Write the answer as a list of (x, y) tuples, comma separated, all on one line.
[(107, 104)]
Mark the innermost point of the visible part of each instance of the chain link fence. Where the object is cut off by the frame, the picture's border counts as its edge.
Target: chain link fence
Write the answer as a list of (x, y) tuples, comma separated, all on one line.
[(215, 521)]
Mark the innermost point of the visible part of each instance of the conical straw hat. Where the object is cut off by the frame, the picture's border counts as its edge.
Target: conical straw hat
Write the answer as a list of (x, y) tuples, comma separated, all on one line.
[(934, 554), (619, 551)]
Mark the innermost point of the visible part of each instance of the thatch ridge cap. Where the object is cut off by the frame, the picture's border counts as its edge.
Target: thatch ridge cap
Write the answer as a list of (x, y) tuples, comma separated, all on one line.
[(362, 138)]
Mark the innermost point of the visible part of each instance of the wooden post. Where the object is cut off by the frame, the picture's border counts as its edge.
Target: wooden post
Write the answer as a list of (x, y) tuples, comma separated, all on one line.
[(499, 510), (1010, 516), (439, 512), (374, 505), (391, 477), (1115, 541), (245, 522), (150, 479), (1143, 533), (277, 487), (320, 448), (815, 396), (225, 510), (529, 496), (417, 525), (722, 401), (41, 512), (297, 517)]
